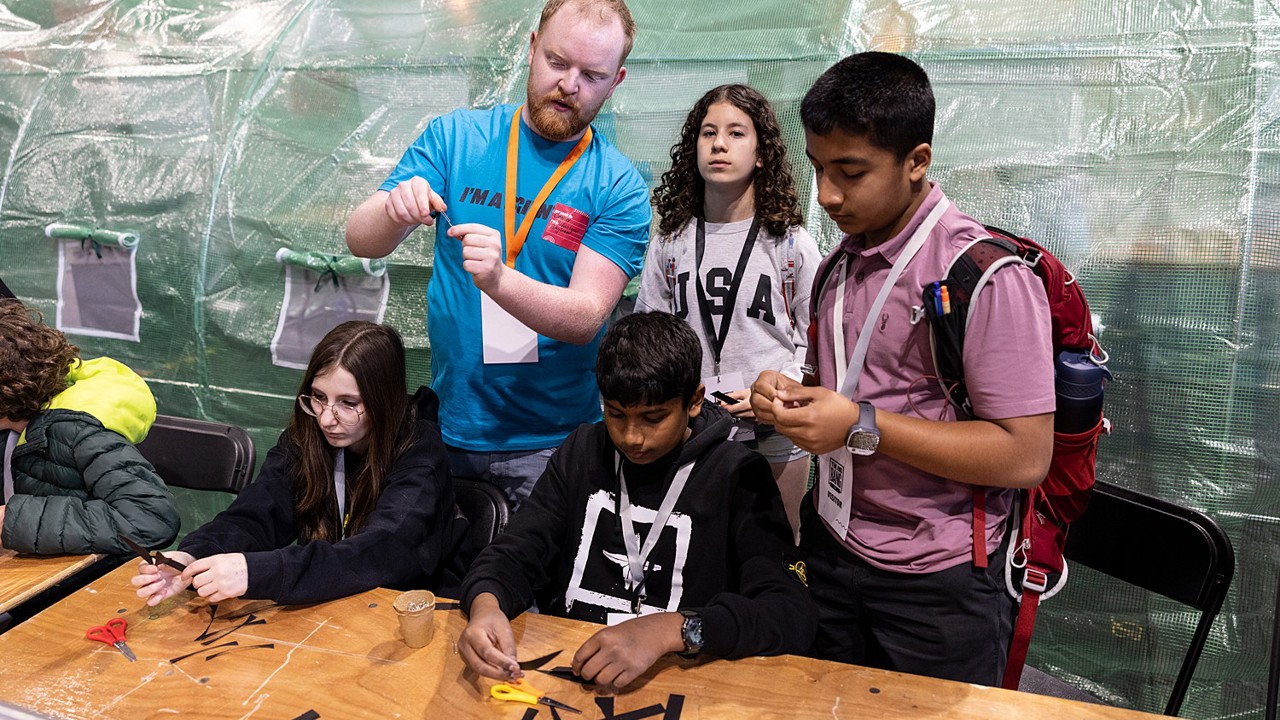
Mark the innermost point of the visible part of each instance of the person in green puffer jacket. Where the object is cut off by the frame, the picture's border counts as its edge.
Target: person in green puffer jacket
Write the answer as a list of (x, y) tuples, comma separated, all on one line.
[(73, 479)]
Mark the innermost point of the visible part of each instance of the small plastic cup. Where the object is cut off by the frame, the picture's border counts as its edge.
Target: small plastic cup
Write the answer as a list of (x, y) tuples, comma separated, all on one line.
[(416, 610)]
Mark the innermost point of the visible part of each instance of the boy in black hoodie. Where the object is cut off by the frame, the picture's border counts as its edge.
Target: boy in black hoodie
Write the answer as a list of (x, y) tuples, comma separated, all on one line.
[(718, 577)]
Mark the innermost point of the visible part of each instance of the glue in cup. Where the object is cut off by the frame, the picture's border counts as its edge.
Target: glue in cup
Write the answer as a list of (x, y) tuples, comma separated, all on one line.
[(416, 610)]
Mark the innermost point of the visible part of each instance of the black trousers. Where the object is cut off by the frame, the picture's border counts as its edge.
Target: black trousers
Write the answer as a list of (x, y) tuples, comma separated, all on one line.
[(953, 624)]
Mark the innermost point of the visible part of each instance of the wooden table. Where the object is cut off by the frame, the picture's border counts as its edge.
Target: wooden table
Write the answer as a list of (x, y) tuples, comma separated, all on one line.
[(344, 659), (22, 577)]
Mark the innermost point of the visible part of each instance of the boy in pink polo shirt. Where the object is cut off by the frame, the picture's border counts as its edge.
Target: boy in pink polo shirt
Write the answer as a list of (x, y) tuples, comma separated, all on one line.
[(890, 522)]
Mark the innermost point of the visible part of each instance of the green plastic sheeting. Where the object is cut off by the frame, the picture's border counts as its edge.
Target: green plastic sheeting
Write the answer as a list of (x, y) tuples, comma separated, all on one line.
[(1138, 139)]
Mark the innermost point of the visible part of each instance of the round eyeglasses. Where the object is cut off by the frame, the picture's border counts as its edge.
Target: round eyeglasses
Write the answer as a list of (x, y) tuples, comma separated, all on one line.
[(345, 413)]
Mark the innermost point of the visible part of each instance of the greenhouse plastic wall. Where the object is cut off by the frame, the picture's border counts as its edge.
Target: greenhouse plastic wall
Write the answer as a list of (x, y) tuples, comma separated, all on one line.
[(1138, 139)]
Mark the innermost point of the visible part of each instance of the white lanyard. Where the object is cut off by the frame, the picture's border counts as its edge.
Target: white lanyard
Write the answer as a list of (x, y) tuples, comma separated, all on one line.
[(10, 443), (340, 489), (847, 381), (835, 473), (637, 554)]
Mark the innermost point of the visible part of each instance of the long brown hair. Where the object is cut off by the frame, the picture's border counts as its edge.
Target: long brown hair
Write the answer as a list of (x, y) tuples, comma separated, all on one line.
[(374, 355), (680, 195)]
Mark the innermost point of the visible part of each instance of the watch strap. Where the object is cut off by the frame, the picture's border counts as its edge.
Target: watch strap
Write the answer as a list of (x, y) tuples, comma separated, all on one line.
[(864, 435), (866, 417)]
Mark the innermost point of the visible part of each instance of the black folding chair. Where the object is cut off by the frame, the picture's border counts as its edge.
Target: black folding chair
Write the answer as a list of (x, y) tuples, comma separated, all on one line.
[(1161, 547), (199, 454), (485, 508)]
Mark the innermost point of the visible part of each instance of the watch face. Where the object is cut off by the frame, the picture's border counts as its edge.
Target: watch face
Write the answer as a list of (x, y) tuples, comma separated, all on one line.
[(692, 633), (863, 442)]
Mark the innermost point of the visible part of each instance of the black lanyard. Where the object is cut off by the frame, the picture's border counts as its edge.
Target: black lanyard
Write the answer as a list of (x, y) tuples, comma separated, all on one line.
[(716, 340)]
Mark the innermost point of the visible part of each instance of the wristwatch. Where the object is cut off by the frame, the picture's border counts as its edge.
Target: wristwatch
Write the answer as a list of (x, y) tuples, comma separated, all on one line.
[(864, 436), (691, 632)]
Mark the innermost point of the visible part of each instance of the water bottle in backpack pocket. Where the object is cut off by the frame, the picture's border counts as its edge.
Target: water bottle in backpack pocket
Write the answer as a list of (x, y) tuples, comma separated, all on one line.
[(1078, 379)]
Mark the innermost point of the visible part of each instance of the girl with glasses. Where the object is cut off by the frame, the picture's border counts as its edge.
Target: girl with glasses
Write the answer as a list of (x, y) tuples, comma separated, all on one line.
[(355, 495)]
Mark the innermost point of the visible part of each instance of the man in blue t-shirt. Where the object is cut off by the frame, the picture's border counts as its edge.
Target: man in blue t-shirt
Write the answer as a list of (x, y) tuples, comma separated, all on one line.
[(541, 223)]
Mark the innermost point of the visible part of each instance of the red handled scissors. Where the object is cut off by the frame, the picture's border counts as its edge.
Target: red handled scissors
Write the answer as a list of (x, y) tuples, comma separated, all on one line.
[(112, 633)]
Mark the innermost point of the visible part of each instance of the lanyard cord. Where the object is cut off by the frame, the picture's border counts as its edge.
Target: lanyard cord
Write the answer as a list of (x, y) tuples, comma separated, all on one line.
[(637, 554), (515, 240), (716, 340), (340, 490), (848, 381)]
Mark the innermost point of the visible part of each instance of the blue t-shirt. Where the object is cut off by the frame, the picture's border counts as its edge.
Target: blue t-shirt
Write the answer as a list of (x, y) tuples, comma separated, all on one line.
[(463, 155)]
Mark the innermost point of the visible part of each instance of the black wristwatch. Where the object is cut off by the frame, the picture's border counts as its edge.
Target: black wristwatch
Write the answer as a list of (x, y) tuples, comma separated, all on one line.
[(864, 436), (691, 632)]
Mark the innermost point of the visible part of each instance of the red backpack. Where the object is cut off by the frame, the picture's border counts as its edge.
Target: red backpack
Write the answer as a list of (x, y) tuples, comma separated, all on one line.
[(1044, 512)]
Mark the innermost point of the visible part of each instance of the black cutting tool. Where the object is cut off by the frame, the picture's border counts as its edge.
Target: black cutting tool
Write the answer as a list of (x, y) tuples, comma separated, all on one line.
[(152, 557)]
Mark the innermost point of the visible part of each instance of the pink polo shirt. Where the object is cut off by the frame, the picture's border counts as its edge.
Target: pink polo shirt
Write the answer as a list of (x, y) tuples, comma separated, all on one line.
[(904, 519)]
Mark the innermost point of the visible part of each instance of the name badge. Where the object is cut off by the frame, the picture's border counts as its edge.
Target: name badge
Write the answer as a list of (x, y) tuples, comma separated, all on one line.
[(615, 618), (566, 227), (835, 489), (506, 340)]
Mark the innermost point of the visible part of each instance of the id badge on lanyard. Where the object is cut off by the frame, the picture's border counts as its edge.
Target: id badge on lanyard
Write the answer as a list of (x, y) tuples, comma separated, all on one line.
[(506, 339), (638, 550), (835, 469)]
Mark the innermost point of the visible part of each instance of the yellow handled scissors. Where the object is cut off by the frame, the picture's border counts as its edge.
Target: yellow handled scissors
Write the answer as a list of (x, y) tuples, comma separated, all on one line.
[(520, 692)]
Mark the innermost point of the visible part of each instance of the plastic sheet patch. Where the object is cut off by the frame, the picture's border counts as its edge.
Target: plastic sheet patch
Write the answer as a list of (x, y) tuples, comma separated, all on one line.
[(321, 292), (97, 281)]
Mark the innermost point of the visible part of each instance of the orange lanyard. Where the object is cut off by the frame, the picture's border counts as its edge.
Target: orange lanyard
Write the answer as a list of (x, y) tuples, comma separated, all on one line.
[(515, 240)]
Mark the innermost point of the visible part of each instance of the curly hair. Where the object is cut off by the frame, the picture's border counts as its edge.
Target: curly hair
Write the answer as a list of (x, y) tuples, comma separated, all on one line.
[(680, 195), (34, 361)]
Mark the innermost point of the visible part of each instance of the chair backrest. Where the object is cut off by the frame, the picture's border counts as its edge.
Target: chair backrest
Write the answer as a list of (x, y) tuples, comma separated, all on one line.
[(199, 454), (485, 508), (1161, 547)]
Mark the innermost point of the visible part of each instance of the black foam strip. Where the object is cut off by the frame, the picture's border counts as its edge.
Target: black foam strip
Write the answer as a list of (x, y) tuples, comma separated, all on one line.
[(606, 706), (308, 715), (197, 652), (213, 612), (675, 706), (267, 646), (251, 620), (640, 714)]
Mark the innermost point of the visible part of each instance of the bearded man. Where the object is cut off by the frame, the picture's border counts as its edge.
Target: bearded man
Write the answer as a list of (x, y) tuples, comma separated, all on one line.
[(544, 223)]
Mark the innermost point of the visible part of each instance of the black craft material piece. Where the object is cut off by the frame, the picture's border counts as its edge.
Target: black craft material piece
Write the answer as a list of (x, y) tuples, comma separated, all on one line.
[(263, 646), (197, 652), (251, 620)]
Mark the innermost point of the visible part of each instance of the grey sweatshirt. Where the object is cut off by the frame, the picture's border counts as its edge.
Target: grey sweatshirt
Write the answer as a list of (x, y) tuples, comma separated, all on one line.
[(761, 334)]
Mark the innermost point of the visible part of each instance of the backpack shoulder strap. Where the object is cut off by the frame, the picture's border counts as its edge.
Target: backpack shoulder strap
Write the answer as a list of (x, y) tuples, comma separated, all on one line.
[(789, 276), (821, 283)]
